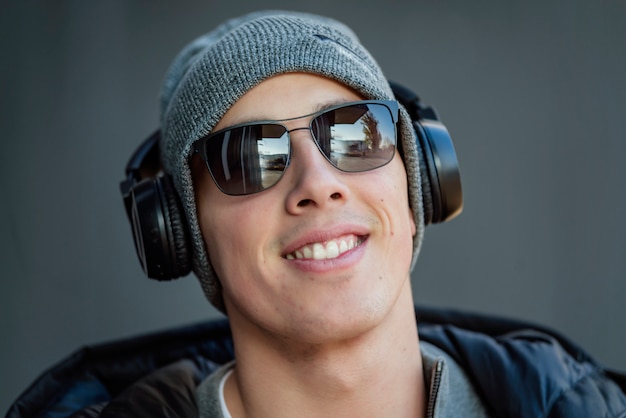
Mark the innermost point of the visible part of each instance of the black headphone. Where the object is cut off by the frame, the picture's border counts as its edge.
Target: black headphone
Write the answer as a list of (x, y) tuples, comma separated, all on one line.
[(158, 220)]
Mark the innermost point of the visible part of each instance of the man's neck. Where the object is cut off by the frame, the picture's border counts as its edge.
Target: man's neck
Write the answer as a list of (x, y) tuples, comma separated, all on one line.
[(377, 374)]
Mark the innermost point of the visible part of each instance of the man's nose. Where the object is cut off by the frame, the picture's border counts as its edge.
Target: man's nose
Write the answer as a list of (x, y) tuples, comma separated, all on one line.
[(314, 182)]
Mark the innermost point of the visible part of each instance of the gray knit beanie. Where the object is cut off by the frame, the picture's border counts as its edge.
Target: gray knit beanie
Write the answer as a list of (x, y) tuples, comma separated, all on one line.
[(215, 70)]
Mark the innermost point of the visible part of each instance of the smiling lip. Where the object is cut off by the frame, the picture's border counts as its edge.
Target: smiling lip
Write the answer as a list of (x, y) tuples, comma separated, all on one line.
[(326, 250)]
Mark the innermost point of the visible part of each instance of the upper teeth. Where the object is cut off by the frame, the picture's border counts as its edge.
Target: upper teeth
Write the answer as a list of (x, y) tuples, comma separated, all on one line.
[(323, 251)]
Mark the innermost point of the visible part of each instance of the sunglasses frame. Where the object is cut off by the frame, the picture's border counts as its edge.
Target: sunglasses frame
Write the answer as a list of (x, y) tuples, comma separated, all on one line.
[(199, 145)]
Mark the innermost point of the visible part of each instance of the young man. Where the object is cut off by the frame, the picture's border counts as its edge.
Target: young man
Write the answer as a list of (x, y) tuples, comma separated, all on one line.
[(312, 263), (300, 182)]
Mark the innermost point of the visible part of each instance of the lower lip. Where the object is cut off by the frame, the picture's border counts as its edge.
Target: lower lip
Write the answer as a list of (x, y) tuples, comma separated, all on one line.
[(343, 261)]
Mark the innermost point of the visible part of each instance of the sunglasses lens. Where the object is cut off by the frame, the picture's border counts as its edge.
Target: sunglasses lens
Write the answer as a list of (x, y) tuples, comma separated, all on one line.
[(248, 159), (357, 137)]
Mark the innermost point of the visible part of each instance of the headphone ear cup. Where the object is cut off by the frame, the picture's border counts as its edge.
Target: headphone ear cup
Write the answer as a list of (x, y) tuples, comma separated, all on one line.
[(176, 223), (442, 196), (159, 229), (441, 180)]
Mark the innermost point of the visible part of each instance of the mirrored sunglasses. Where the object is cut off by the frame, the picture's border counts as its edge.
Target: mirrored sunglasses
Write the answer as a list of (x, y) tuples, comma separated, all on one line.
[(252, 157)]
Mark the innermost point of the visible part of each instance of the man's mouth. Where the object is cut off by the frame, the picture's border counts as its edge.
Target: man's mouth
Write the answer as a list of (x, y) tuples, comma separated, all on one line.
[(326, 250)]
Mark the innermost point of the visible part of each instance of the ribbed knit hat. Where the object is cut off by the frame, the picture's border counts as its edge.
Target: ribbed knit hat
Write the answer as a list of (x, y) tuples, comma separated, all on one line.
[(215, 70)]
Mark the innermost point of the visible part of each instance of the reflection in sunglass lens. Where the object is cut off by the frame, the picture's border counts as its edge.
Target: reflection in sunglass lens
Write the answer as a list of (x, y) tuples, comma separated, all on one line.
[(248, 159), (356, 138)]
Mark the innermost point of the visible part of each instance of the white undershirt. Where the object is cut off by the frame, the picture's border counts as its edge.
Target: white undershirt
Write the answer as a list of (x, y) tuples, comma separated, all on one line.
[(223, 406)]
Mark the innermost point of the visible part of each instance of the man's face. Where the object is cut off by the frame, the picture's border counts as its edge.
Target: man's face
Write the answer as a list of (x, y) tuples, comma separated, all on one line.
[(251, 239)]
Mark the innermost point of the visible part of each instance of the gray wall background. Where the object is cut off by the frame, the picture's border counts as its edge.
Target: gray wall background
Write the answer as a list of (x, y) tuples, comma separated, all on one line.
[(533, 93)]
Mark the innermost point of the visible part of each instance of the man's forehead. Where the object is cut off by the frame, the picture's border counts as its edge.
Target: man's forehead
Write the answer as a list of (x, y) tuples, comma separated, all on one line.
[(286, 97), (242, 119)]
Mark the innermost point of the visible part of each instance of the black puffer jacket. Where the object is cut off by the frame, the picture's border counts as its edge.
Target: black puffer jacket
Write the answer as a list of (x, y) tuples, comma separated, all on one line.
[(520, 371)]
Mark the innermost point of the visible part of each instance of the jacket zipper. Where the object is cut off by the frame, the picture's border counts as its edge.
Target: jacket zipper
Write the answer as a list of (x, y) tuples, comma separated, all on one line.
[(435, 382)]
